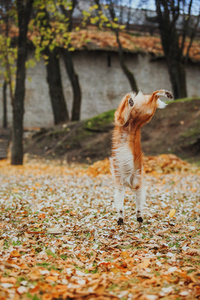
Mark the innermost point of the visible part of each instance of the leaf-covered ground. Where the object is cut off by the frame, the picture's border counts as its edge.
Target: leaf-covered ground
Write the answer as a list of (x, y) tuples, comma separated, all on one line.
[(59, 238)]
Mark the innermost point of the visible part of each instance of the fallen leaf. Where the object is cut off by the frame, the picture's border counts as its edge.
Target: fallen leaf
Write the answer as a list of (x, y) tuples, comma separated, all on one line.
[(41, 216), (144, 264), (172, 213), (85, 254), (14, 253), (55, 230), (8, 280), (1, 244), (51, 278), (192, 251), (22, 289), (166, 291)]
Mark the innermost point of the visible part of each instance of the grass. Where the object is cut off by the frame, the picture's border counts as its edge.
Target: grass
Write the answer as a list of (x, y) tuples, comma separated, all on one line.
[(182, 100), (101, 120)]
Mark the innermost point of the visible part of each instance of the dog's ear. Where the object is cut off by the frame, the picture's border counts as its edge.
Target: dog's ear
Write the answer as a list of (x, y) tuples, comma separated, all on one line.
[(119, 119), (123, 112)]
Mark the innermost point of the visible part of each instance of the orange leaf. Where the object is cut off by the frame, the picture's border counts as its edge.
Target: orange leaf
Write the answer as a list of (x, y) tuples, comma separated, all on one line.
[(72, 213), (22, 266), (8, 280), (55, 273), (115, 270), (35, 274), (125, 254), (34, 290), (36, 232), (144, 264), (106, 264), (51, 278), (100, 290), (47, 297), (41, 216), (14, 253)]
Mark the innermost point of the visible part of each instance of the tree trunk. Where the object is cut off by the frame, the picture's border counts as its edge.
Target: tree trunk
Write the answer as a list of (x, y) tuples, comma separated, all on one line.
[(73, 77), (23, 12), (58, 103), (168, 13), (124, 67), (18, 105), (5, 120), (178, 78)]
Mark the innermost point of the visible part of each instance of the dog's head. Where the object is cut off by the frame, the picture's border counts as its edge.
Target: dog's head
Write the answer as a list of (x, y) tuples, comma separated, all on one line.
[(139, 108)]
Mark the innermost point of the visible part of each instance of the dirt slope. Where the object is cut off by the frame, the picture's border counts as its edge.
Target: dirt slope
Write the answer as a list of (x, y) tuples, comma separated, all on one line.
[(176, 129)]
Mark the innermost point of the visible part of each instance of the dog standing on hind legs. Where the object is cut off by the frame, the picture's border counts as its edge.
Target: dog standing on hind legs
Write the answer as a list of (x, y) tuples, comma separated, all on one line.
[(126, 160)]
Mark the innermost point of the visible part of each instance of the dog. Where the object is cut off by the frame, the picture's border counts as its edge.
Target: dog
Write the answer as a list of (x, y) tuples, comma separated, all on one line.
[(126, 159)]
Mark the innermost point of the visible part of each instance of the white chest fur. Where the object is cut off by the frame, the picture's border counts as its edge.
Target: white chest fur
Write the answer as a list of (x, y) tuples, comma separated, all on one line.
[(124, 162)]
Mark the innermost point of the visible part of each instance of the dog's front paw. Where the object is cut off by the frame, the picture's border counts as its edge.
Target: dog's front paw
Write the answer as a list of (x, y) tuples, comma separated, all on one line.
[(164, 93), (169, 95), (140, 219), (120, 221), (139, 216)]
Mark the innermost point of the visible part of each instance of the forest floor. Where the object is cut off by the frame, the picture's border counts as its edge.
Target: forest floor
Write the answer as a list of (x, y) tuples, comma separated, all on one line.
[(59, 238)]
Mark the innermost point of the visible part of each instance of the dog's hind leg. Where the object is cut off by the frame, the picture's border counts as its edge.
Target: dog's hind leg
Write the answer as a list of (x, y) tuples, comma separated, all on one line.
[(119, 203), (140, 199)]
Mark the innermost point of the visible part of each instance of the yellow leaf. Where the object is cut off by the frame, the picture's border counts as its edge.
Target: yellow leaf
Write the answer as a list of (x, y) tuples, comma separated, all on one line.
[(172, 213)]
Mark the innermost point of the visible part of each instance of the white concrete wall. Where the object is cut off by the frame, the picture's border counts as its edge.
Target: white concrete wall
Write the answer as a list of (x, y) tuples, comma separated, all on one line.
[(102, 86)]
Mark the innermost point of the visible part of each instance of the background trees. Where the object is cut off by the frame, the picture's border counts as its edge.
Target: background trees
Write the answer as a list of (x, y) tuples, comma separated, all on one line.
[(177, 28), (46, 45), (53, 22), (49, 45), (114, 10), (177, 25)]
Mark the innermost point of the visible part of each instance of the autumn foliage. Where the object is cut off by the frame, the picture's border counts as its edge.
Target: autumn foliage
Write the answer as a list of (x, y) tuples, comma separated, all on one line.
[(161, 164), (59, 238)]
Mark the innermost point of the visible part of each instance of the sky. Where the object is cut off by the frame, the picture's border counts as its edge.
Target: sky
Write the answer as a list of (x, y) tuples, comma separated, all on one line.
[(150, 4)]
